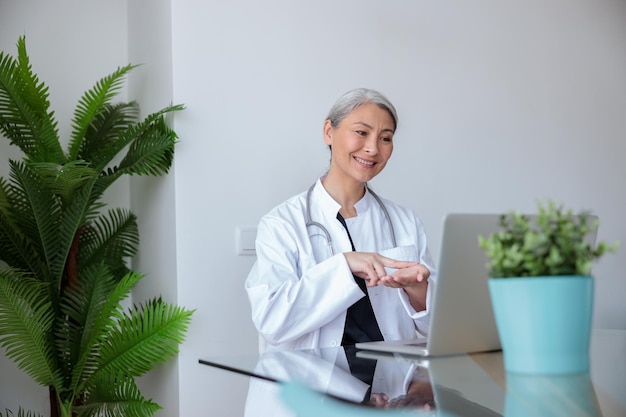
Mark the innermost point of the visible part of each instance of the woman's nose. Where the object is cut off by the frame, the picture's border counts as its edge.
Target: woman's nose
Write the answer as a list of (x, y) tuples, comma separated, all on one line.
[(371, 145)]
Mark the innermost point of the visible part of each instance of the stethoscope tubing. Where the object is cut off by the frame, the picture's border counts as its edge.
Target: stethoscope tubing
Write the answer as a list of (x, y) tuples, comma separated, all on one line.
[(329, 242)]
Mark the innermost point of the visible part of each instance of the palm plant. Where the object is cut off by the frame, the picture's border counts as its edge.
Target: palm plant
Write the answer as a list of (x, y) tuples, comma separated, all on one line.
[(63, 258)]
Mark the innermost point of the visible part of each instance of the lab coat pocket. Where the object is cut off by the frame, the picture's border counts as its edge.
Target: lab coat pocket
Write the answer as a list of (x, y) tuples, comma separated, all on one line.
[(401, 253)]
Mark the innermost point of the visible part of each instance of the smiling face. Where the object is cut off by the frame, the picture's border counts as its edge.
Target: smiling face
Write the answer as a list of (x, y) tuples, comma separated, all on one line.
[(361, 144)]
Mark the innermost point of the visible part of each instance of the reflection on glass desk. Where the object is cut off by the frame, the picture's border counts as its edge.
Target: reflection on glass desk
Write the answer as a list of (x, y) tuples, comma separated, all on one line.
[(465, 385)]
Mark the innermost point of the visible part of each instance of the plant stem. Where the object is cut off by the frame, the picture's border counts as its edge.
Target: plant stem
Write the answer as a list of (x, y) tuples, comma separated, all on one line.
[(54, 408), (65, 409)]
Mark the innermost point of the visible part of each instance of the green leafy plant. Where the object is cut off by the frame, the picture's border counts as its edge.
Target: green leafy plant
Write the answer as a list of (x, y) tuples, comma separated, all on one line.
[(63, 258), (551, 243), (20, 413)]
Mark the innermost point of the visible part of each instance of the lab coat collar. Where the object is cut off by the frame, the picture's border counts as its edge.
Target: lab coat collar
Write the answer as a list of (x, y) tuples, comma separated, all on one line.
[(329, 207), (324, 201)]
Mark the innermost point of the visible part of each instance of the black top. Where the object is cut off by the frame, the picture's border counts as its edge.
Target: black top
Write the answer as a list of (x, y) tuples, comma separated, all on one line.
[(361, 325)]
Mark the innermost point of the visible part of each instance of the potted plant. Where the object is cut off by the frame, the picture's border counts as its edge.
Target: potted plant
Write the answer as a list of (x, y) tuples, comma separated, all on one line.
[(63, 258), (541, 288)]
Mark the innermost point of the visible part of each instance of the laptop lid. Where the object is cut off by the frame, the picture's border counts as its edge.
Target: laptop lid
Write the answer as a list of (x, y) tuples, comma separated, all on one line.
[(461, 319)]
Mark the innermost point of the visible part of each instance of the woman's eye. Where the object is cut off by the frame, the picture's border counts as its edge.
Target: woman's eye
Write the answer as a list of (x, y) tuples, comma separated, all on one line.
[(361, 133), (385, 139)]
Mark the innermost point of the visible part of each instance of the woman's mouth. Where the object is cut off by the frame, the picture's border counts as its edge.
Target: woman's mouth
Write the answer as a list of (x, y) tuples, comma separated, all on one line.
[(364, 162)]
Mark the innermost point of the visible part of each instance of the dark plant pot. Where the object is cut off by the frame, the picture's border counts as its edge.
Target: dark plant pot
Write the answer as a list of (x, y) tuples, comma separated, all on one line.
[(544, 323)]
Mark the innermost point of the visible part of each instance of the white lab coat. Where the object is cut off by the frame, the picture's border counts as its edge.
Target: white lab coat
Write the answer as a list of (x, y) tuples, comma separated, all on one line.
[(299, 293), (322, 370)]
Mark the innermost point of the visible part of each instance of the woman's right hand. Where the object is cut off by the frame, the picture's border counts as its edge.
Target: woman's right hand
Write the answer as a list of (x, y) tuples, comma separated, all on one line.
[(370, 266)]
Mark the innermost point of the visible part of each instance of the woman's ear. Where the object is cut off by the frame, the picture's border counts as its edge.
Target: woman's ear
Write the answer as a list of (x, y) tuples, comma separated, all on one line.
[(328, 132)]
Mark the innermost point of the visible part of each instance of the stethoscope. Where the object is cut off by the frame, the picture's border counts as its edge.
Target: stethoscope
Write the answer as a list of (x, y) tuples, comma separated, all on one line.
[(329, 242)]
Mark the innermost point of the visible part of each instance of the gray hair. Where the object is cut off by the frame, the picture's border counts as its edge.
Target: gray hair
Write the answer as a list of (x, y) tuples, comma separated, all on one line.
[(358, 97)]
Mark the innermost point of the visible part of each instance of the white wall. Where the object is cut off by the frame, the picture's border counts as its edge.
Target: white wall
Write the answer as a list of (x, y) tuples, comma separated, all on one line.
[(152, 198), (500, 103)]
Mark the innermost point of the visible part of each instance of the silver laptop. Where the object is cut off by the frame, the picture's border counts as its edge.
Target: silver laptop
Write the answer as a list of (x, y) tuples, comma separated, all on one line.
[(462, 318)]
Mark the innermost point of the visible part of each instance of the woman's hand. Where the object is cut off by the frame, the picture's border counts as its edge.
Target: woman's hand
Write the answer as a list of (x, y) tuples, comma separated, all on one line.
[(413, 280), (371, 267), (410, 276)]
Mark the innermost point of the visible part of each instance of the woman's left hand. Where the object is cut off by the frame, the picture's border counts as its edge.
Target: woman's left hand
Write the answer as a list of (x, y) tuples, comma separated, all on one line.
[(413, 280), (410, 276)]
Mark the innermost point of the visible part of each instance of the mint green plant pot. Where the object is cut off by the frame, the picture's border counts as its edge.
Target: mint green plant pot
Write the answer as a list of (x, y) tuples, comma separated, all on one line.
[(569, 395), (544, 323)]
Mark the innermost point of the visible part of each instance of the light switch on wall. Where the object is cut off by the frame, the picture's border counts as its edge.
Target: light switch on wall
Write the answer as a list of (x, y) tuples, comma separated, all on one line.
[(245, 237)]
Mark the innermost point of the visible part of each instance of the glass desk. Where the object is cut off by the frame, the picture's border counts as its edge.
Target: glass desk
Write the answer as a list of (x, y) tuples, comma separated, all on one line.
[(465, 385)]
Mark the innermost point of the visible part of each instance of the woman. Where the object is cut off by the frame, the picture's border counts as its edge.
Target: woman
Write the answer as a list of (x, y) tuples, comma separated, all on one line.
[(328, 270)]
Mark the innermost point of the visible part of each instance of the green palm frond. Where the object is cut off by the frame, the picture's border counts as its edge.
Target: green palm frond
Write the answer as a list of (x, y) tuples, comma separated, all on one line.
[(24, 115), (110, 238), (15, 248), (94, 308), (92, 103), (101, 144), (106, 178), (114, 397), (34, 212), (72, 218), (20, 413), (41, 217), (152, 150), (147, 336), (26, 319), (64, 180), (4, 198)]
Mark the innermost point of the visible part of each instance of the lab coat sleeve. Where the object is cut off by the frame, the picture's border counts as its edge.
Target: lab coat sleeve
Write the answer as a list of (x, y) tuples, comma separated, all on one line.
[(291, 295), (422, 318)]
